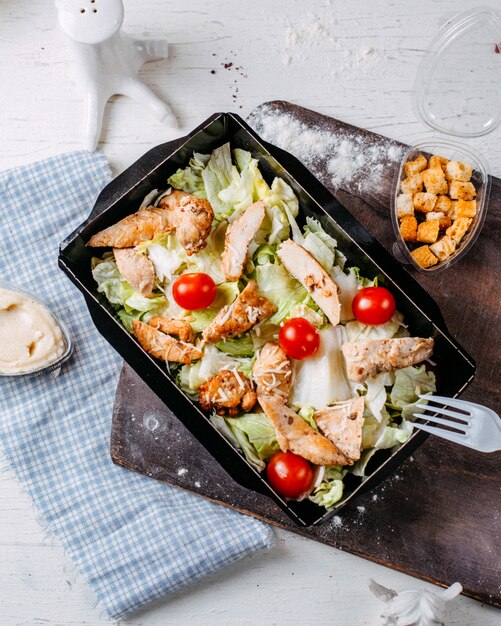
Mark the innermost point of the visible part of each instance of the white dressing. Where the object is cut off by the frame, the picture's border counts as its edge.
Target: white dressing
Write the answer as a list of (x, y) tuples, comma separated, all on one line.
[(30, 337)]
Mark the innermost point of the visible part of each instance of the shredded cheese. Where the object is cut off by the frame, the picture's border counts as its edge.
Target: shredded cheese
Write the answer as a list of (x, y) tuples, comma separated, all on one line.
[(239, 379), (225, 315)]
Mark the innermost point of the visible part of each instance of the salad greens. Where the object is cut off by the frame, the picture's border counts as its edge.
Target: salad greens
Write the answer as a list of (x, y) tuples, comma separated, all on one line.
[(231, 181)]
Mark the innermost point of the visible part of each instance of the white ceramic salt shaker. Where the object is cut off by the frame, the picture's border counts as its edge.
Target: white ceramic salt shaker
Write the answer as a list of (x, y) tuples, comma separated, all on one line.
[(414, 607), (107, 60)]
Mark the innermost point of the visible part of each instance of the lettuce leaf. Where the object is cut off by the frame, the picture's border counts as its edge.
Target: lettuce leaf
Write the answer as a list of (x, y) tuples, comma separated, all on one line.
[(356, 331), (307, 413), (166, 254), (252, 433), (129, 302), (218, 175), (320, 244), (410, 382), (376, 396), (316, 318), (208, 260), (190, 178), (321, 380), (242, 346), (109, 281), (212, 362), (330, 490), (259, 431), (239, 193), (245, 162), (282, 202), (276, 284), (382, 437)]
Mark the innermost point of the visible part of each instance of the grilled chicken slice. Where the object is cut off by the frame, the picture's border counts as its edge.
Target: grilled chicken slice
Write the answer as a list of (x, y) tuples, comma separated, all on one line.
[(137, 269), (342, 424), (133, 229), (171, 326), (294, 434), (228, 393), (308, 271), (237, 240), (272, 371), (367, 358), (189, 216), (163, 346), (192, 218), (245, 312)]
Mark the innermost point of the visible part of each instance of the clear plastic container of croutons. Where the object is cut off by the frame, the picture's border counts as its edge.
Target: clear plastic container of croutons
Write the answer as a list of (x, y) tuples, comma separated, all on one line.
[(440, 203), (441, 192)]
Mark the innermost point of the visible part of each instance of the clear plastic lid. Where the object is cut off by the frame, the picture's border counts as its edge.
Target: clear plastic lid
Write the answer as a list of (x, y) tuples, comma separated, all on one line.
[(458, 84)]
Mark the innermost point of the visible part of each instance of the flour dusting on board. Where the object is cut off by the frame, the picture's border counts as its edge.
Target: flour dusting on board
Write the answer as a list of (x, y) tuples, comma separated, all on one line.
[(347, 160)]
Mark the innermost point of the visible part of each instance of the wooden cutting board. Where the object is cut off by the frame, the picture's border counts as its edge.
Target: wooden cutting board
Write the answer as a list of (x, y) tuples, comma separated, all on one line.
[(438, 518)]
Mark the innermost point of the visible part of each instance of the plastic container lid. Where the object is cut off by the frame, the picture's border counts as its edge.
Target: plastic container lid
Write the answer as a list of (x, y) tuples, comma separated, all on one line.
[(458, 85)]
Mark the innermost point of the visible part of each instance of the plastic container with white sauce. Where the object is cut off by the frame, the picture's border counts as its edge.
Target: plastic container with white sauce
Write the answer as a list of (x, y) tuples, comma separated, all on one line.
[(457, 93), (61, 350)]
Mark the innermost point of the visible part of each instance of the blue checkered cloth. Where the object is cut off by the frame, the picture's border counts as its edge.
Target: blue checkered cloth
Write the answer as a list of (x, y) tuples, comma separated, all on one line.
[(132, 538)]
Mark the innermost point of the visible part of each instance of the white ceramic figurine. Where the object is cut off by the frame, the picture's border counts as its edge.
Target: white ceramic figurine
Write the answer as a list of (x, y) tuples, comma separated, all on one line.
[(414, 607), (108, 60)]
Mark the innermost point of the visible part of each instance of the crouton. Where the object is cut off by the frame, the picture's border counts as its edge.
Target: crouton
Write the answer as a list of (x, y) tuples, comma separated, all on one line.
[(428, 231), (438, 162), (434, 215), (434, 181), (462, 191), (412, 184), (408, 228), (404, 205), (444, 204), (444, 221), (459, 228), (416, 166), (465, 208), (443, 247), (424, 256), (455, 170), (424, 201)]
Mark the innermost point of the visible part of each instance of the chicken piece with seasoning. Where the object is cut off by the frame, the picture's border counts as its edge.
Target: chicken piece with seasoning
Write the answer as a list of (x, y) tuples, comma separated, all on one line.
[(163, 346), (368, 358), (170, 326), (245, 312), (296, 435), (342, 424), (189, 216), (238, 238), (272, 371), (307, 270), (137, 269), (228, 393)]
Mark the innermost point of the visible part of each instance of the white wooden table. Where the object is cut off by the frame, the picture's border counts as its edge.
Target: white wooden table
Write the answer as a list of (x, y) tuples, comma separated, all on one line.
[(360, 69)]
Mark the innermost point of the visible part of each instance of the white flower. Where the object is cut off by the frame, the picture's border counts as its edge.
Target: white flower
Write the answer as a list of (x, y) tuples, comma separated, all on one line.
[(415, 607)]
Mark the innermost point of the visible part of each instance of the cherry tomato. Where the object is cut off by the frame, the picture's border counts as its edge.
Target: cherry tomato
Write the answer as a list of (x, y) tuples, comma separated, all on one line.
[(289, 474), (299, 338), (373, 306), (194, 291)]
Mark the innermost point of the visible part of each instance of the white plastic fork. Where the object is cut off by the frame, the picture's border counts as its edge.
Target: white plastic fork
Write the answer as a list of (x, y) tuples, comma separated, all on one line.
[(477, 427)]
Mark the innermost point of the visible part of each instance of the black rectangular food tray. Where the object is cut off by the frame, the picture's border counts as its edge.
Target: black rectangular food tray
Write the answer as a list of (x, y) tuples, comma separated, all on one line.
[(453, 367)]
